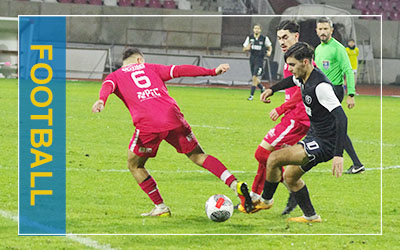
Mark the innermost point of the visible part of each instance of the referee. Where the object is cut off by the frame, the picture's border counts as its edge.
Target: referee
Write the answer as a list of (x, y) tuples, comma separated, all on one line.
[(331, 57), (258, 45)]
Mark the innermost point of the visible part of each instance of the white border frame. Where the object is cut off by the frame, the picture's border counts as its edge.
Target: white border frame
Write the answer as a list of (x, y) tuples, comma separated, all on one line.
[(381, 85)]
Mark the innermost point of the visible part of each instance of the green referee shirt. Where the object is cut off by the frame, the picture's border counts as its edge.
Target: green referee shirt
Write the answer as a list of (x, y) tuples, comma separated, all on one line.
[(332, 59)]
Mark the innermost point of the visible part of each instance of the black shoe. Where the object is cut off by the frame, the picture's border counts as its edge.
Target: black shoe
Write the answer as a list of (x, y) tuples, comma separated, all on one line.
[(355, 169), (242, 190), (291, 204)]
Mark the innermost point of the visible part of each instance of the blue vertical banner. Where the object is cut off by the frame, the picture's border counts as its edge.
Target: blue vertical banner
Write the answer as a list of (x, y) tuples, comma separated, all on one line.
[(42, 126)]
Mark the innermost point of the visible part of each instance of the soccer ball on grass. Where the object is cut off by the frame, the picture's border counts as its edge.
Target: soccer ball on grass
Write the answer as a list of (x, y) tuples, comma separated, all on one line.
[(219, 208)]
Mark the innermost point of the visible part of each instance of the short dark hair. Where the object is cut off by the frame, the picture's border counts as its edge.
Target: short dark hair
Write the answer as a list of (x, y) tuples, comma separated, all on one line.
[(257, 24), (291, 25), (325, 20), (351, 40), (300, 51), (131, 51)]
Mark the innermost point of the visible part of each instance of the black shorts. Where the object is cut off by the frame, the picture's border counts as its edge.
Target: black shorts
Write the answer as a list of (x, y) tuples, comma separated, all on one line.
[(318, 150), (256, 66)]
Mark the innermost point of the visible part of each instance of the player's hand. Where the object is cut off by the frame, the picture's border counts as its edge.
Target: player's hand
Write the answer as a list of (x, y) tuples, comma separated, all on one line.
[(268, 53), (273, 115), (264, 96), (337, 166), (98, 106), (247, 48), (351, 102), (222, 68)]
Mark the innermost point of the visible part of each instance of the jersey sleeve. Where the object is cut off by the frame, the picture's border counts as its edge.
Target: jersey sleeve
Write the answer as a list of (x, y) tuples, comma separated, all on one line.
[(163, 71), (345, 66), (284, 84), (267, 42), (326, 96), (191, 71), (291, 103), (107, 88), (246, 42), (328, 99)]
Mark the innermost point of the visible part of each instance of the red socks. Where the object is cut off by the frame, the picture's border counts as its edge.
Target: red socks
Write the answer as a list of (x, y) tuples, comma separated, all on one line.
[(149, 186), (262, 156), (213, 165)]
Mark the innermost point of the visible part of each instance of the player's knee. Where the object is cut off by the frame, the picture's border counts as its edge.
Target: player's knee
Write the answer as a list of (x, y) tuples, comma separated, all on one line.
[(262, 155), (274, 160), (290, 179)]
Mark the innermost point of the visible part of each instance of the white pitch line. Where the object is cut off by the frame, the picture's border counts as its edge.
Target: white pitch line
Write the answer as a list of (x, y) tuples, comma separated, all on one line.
[(208, 126), (88, 242)]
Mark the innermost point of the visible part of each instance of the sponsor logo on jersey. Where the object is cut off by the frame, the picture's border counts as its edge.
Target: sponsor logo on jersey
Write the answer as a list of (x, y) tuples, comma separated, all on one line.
[(148, 94), (256, 47), (325, 64)]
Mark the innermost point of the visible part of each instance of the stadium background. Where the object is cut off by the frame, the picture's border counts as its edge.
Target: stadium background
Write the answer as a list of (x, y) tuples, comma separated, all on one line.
[(95, 44)]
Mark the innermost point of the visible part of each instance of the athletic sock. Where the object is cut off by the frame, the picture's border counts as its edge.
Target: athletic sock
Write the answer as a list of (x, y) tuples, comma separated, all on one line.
[(149, 186), (260, 86), (348, 146), (269, 190), (303, 199), (259, 179), (253, 89), (213, 165), (261, 156)]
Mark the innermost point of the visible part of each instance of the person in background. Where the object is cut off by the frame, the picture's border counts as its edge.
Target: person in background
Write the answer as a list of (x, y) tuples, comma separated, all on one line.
[(353, 52), (259, 46)]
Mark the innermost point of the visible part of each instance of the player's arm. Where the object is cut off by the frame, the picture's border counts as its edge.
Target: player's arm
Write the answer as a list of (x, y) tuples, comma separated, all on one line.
[(246, 44), (328, 99), (345, 66), (283, 84), (107, 88), (192, 70), (286, 106), (268, 44)]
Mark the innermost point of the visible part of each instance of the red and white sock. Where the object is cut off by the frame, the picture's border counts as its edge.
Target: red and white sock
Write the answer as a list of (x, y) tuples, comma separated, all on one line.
[(213, 165), (149, 186)]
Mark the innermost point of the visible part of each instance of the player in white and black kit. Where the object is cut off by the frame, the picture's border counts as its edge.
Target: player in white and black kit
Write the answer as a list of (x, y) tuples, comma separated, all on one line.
[(324, 140), (259, 46)]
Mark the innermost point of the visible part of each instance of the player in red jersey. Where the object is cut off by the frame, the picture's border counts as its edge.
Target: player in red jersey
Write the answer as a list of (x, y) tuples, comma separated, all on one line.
[(157, 117), (294, 124)]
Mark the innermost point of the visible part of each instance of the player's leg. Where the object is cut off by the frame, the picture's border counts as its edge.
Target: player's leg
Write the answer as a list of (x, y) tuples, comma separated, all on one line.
[(357, 166), (299, 189), (185, 142), (294, 155), (213, 165), (253, 78), (141, 147), (259, 74), (262, 153)]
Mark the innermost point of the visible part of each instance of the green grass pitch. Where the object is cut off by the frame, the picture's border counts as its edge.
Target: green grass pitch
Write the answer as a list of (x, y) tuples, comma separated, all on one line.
[(103, 198)]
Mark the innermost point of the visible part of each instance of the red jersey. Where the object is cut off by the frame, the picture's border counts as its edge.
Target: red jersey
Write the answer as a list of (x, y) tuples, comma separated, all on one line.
[(293, 106), (142, 89)]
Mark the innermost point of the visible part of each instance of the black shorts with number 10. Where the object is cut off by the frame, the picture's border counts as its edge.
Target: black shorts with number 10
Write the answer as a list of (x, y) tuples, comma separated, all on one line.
[(317, 149), (256, 65)]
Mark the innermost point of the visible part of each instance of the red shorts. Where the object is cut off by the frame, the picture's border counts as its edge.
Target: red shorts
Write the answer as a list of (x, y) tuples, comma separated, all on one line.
[(287, 132), (145, 144)]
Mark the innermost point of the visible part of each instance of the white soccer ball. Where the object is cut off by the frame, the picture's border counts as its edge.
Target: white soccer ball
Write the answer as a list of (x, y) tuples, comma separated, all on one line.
[(219, 208)]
